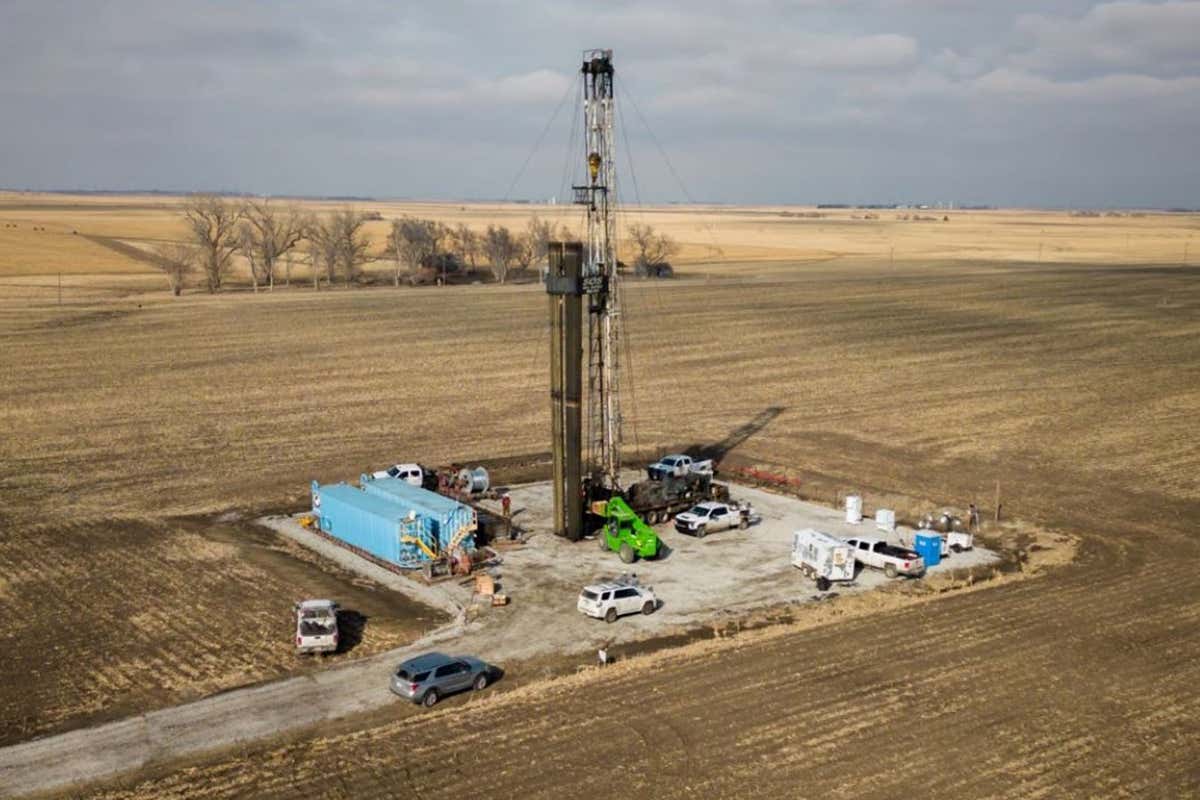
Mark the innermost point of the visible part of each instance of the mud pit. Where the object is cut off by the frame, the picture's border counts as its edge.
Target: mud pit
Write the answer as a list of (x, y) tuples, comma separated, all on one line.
[(699, 582), (185, 608)]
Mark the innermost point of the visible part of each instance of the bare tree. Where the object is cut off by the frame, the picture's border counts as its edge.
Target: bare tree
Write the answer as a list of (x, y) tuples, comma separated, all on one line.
[(538, 236), (266, 235), (523, 255), (501, 249), (323, 249), (350, 243), (213, 224), (413, 243), (652, 249), (315, 250), (245, 239), (465, 243), (177, 261)]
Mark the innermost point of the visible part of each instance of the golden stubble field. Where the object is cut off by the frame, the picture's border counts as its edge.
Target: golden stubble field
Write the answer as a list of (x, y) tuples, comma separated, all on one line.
[(1075, 383), (42, 235)]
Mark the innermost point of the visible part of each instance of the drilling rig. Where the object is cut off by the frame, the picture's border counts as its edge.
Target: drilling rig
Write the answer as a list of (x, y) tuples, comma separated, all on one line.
[(578, 271)]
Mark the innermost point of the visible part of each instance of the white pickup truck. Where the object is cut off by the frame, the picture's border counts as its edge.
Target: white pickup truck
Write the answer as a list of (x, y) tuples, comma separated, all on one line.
[(677, 465), (892, 560), (409, 473), (316, 626), (704, 518)]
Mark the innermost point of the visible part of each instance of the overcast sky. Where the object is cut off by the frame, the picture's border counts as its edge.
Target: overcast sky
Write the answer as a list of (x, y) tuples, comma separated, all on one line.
[(1065, 103)]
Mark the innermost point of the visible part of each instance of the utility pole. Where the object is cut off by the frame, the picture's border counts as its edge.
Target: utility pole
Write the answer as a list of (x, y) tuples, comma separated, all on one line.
[(60, 288)]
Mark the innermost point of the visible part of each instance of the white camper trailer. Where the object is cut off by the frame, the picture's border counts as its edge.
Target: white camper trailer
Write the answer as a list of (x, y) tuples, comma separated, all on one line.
[(822, 557)]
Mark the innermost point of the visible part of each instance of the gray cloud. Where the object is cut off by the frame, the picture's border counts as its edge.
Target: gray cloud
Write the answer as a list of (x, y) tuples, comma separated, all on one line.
[(755, 101), (1157, 39)]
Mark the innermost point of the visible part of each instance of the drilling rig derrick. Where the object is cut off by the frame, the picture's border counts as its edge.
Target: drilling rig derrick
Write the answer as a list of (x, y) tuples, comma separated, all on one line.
[(588, 270), (600, 275)]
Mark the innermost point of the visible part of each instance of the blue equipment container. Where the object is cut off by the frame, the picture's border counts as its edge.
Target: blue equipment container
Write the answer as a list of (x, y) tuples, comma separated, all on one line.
[(373, 524), (929, 547), (452, 523)]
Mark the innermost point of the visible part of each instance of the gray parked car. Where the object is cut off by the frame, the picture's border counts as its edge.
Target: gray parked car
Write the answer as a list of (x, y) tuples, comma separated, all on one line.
[(428, 678)]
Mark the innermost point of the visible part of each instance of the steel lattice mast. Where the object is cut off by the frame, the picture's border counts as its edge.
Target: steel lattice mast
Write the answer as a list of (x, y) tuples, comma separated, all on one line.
[(600, 273)]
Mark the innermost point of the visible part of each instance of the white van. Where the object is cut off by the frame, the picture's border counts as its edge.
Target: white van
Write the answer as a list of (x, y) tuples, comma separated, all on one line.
[(822, 557)]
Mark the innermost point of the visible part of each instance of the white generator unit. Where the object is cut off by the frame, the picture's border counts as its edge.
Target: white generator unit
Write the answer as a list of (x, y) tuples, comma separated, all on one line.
[(854, 509), (885, 520), (822, 557)]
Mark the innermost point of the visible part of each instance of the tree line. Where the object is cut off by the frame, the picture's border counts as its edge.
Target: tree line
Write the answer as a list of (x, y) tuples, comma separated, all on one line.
[(335, 245)]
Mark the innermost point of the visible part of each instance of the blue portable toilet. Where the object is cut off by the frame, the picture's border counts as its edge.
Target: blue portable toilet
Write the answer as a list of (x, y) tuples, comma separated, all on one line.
[(929, 547)]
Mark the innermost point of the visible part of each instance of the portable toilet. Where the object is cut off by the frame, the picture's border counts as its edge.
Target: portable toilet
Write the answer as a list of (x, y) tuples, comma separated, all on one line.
[(885, 520), (854, 509), (929, 547)]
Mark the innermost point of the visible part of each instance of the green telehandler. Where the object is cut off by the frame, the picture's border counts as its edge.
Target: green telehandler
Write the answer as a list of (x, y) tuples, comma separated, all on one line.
[(624, 532)]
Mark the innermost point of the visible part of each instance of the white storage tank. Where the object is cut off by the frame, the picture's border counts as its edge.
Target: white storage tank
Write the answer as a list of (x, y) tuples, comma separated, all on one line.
[(885, 520), (854, 509)]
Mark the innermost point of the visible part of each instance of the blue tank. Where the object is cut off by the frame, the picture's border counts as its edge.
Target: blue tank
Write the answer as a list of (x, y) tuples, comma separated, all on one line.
[(373, 524), (452, 523)]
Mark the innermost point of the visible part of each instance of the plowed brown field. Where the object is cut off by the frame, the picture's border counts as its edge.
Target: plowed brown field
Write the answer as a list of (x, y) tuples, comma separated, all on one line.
[(114, 617), (1075, 386)]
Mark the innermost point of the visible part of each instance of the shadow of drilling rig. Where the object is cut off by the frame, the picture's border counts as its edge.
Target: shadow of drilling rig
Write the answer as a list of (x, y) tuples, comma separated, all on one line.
[(717, 451)]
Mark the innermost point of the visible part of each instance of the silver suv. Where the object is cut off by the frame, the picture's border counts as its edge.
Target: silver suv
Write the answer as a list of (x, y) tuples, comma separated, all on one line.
[(428, 678)]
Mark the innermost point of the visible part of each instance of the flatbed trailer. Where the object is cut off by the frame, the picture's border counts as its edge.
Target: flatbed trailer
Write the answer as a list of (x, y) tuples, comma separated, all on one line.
[(659, 499)]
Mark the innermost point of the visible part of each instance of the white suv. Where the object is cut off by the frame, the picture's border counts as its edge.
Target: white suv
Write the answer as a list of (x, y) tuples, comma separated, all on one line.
[(607, 601)]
